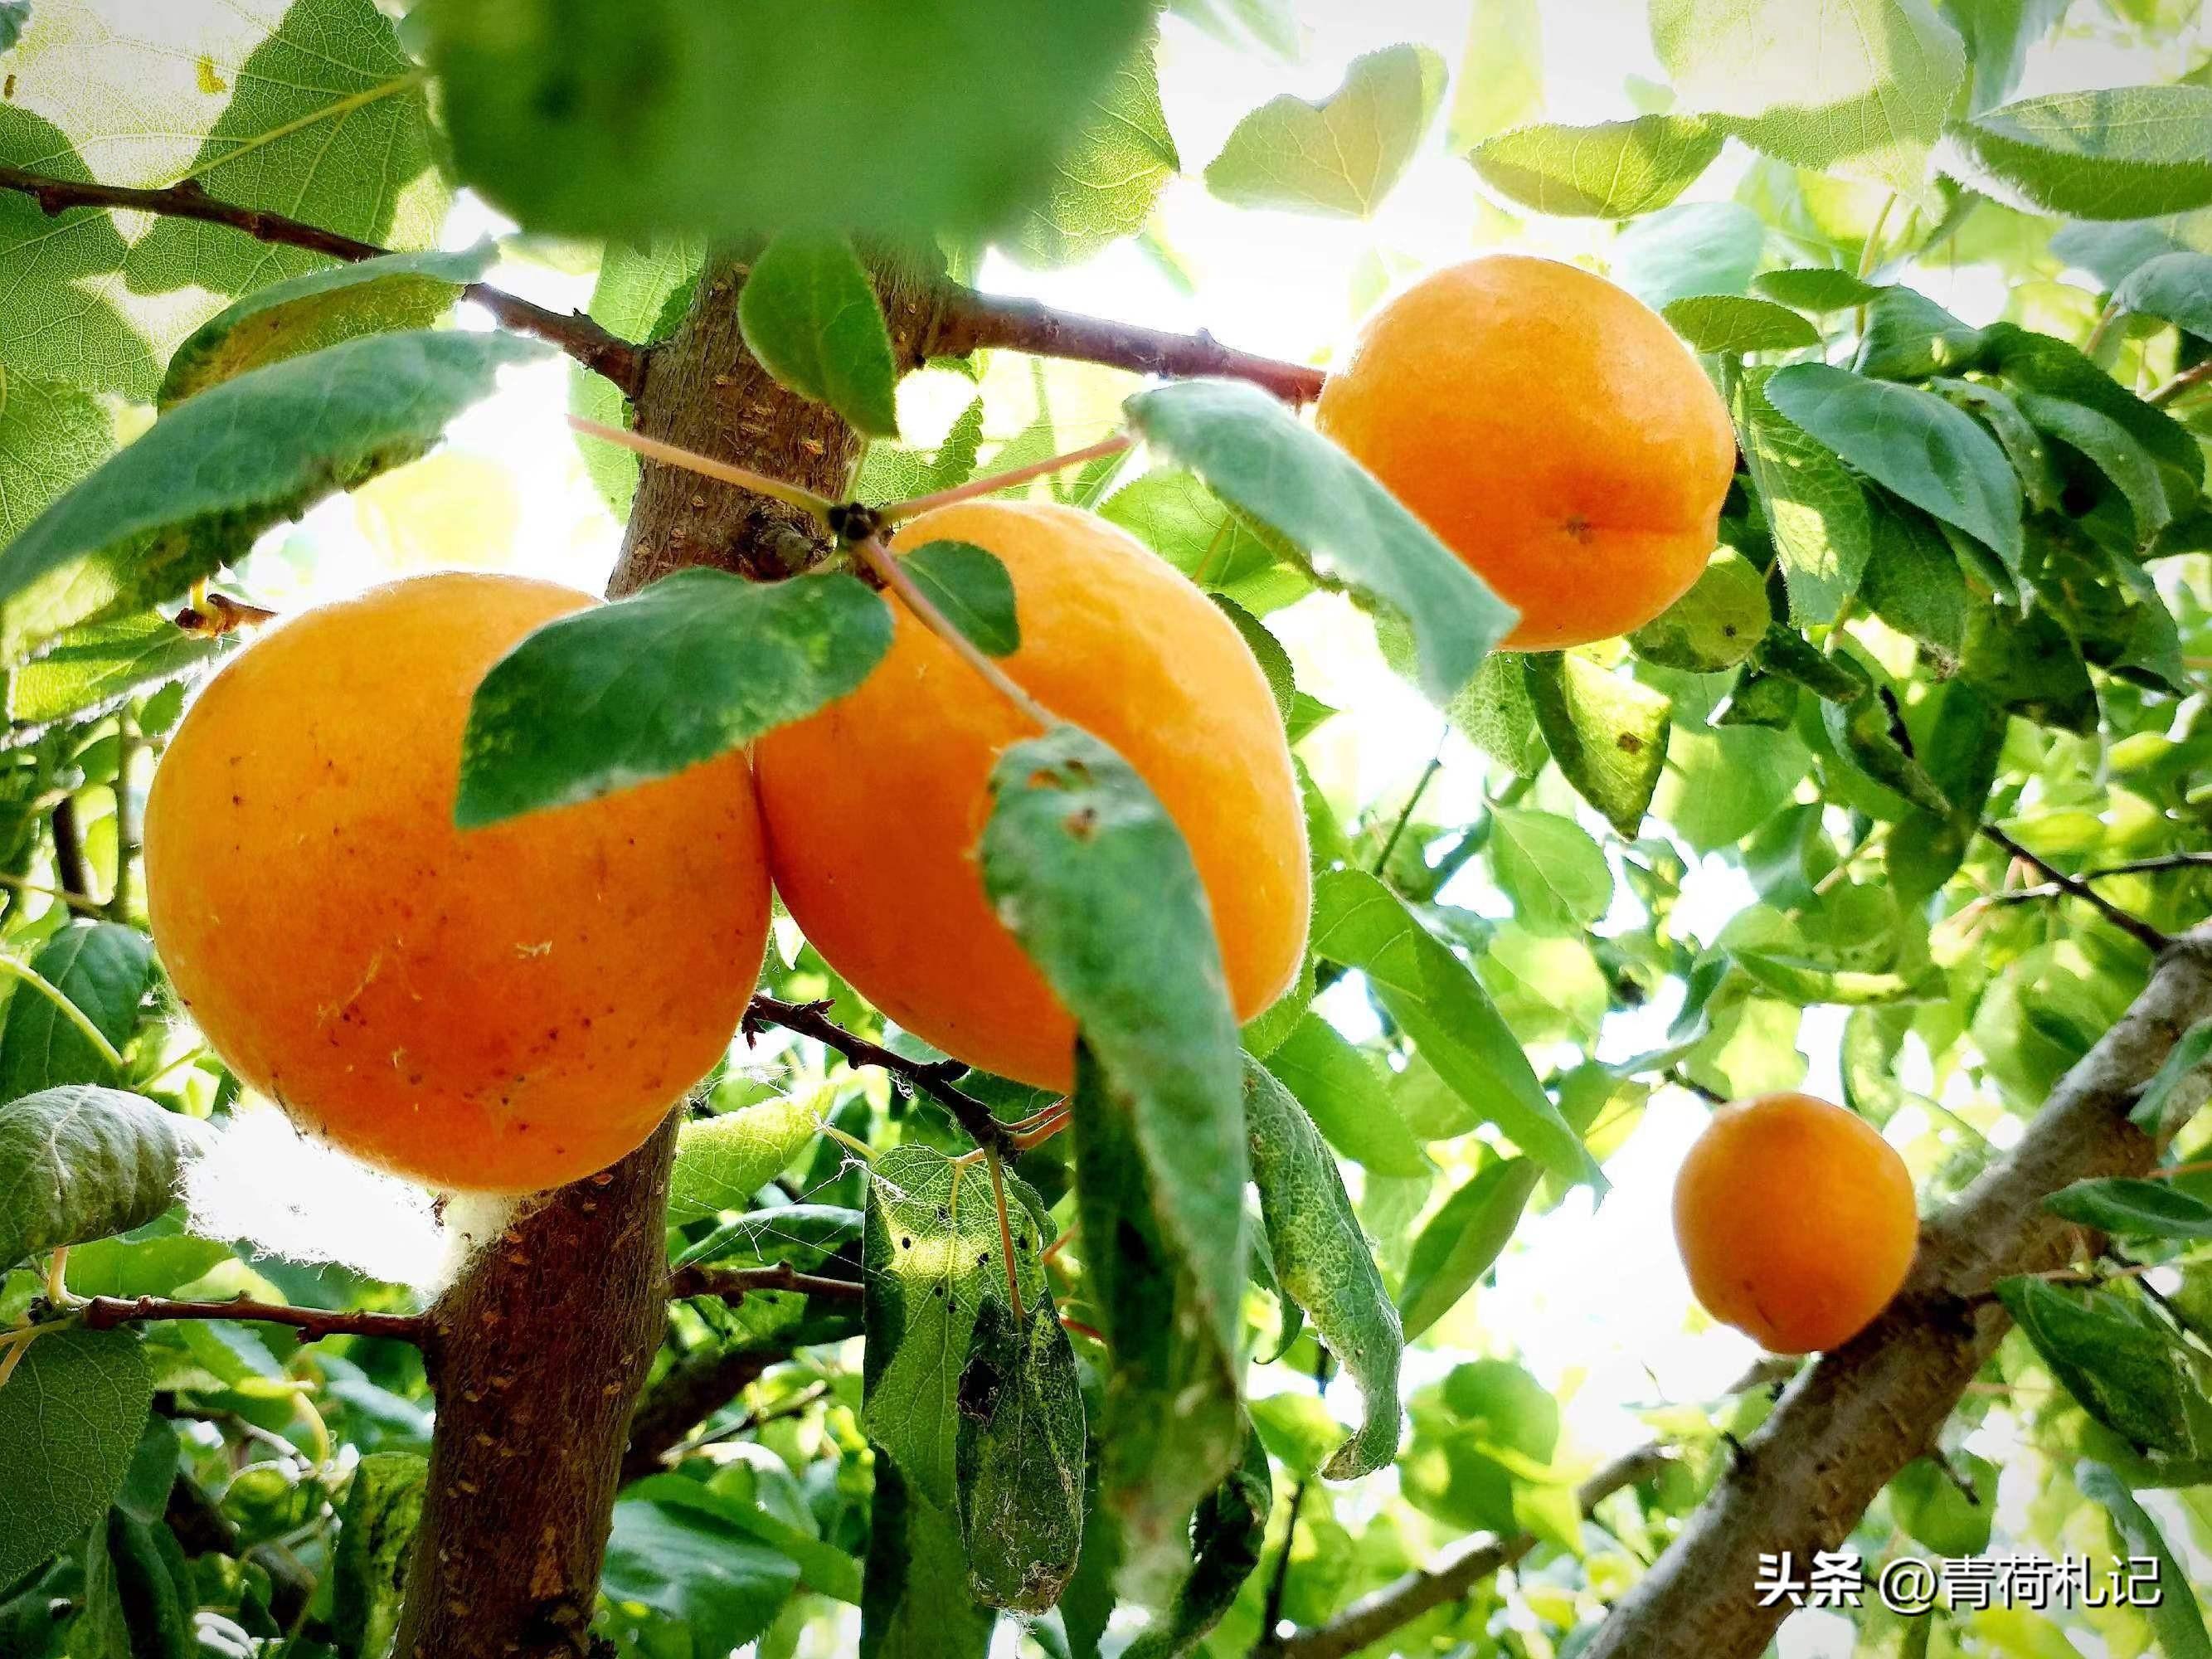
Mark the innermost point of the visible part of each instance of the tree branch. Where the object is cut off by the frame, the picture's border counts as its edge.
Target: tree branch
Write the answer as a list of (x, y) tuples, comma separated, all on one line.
[(575, 334), (695, 1388), (2188, 379), (2134, 927), (971, 322), (1459, 1571), (933, 1078), (1855, 1416), (105, 1313), (735, 1283)]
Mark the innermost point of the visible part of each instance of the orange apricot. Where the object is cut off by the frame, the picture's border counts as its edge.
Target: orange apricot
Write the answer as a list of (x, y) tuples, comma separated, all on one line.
[(1551, 431), (875, 805), (1796, 1221), (503, 1010)]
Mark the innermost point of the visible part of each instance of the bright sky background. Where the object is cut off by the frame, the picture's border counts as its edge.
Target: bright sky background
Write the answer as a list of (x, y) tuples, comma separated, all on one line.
[(1591, 1303)]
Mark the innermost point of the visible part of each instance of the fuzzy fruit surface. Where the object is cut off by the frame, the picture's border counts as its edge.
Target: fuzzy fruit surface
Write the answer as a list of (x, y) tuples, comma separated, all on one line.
[(502, 1010), (875, 806), (1551, 431), (1796, 1221)]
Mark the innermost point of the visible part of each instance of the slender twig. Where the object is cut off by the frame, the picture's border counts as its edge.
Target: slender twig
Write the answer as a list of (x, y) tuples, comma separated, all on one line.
[(933, 1078), (707, 466), (873, 553), (45, 987), (735, 1283), (572, 333), (1459, 1571), (2200, 374), (1406, 817), (991, 484), (2110, 315), (105, 1313), (126, 819), (972, 322), (2134, 927), (1682, 1079), (68, 848), (77, 901), (795, 1406)]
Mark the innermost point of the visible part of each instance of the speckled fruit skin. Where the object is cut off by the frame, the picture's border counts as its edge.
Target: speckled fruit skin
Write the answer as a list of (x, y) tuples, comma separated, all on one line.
[(1796, 1221), (1553, 432), (874, 807), (504, 1010)]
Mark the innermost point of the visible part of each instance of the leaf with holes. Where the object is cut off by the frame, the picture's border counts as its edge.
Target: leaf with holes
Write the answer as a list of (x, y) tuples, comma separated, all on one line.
[(218, 469), (1342, 155), (1715, 625), (1607, 732), (972, 588), (1322, 1263), (1257, 456), (699, 664), (79, 1163), (1019, 1457)]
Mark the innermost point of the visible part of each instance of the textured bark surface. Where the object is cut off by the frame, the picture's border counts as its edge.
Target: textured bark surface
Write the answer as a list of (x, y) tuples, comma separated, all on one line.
[(540, 1349), (1861, 1414)]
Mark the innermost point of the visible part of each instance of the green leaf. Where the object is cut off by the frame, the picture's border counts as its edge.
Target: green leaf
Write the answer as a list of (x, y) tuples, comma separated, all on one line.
[(2112, 450), (1322, 1263), (1269, 24), (1344, 1093), (1859, 87), (811, 315), (1340, 156), (218, 469), (1816, 510), (142, 1262), (618, 122), (305, 314), (802, 1236), (1914, 584), (2135, 1209), (1494, 713), (722, 1161), (1691, 248), (15, 15), (1256, 455), (693, 1566), (1927, 1503), (1733, 325), (1910, 441), (1020, 1457), (2037, 363), (638, 286), (1196, 532), (1998, 34), (1120, 161), (2174, 1616), (1615, 170), (1607, 732), (89, 672), (1467, 1233), (307, 109), (972, 588), (2127, 1373), (1715, 625), (1819, 290), (105, 970), (699, 664), (1909, 336), (1555, 874), (2151, 1112), (1436, 1000), (69, 1420), (79, 1163), (2123, 153), (368, 1568), (932, 1259), (51, 435), (2175, 288), (915, 1602), (1226, 1539), (823, 1568), (2024, 447)]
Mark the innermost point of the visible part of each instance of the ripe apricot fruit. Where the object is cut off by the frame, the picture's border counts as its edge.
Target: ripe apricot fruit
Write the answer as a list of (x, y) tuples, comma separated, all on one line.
[(501, 1011), (1795, 1220), (1551, 431), (875, 805)]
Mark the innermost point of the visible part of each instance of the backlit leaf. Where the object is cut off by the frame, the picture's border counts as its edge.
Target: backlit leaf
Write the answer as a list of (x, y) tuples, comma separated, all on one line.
[(1615, 170), (79, 1163), (1607, 732), (1340, 156), (2126, 153)]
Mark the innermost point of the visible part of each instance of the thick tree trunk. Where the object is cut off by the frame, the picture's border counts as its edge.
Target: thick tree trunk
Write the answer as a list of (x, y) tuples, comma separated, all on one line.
[(1861, 1414), (541, 1347)]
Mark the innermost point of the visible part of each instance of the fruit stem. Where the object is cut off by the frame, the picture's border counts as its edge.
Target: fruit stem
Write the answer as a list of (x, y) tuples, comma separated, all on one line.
[(1005, 1234), (690, 460), (75, 1015), (873, 553), (898, 512)]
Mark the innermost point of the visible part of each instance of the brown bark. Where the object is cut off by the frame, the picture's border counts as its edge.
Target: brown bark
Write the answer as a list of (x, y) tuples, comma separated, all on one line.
[(1857, 1415), (539, 1351)]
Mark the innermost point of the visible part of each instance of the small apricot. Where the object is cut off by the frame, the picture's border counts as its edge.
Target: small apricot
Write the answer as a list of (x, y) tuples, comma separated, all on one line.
[(1551, 431), (503, 1010), (1795, 1220), (875, 805)]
